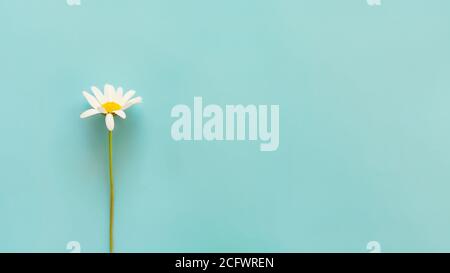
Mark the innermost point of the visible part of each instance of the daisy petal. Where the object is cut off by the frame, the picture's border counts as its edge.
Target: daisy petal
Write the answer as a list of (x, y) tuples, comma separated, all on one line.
[(98, 94), (121, 114), (89, 113), (128, 95), (109, 120), (132, 102), (119, 94), (91, 99), (110, 93)]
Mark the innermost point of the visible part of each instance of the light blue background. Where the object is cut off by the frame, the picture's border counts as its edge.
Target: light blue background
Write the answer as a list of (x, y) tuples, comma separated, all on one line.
[(364, 95)]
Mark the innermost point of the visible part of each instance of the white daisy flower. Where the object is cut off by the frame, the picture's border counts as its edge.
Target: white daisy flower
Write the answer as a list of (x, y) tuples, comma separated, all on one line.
[(110, 103)]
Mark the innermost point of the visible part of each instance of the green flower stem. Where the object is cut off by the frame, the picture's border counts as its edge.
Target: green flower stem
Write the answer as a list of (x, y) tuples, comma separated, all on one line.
[(111, 197)]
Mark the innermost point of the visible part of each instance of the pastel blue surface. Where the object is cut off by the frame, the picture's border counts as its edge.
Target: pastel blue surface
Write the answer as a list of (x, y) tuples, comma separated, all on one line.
[(364, 95)]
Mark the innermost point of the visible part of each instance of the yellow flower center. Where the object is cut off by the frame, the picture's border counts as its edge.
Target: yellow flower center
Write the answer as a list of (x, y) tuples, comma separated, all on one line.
[(111, 107)]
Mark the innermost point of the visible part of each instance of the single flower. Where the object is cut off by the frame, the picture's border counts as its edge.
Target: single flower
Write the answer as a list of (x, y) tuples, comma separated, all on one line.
[(110, 103)]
